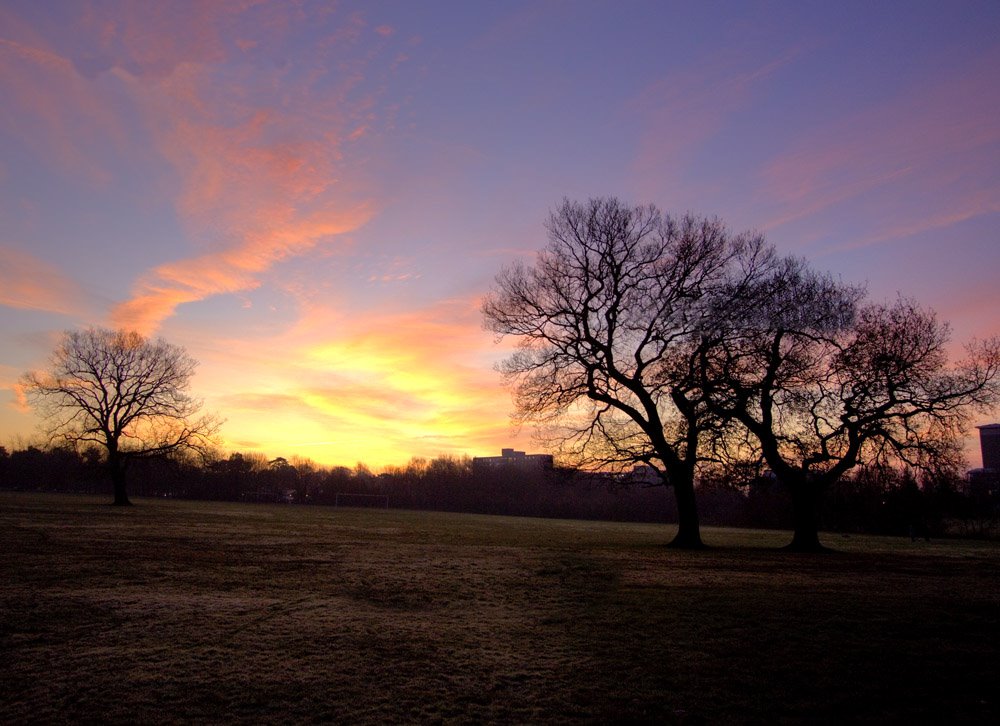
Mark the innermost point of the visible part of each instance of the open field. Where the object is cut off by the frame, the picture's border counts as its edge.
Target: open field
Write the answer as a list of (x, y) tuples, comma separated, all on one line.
[(175, 611)]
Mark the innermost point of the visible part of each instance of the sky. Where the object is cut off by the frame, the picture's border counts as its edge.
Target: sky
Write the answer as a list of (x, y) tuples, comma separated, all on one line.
[(312, 198)]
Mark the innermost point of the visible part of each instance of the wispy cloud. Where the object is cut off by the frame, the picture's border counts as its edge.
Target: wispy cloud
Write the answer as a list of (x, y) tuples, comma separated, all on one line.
[(682, 111), (953, 211), (392, 269), (50, 108), (260, 181), (237, 269), (29, 283), (928, 156), (262, 151)]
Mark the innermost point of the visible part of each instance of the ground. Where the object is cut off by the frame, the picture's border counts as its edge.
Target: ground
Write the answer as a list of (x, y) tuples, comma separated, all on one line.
[(184, 611)]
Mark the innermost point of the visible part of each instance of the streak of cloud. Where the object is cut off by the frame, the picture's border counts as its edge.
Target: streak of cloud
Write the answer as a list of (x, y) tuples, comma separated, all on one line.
[(157, 295), (686, 108), (29, 283), (52, 110), (928, 156), (259, 181)]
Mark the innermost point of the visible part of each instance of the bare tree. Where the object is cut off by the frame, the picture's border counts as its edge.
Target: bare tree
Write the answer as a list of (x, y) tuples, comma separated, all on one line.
[(824, 382), (607, 322), (124, 393)]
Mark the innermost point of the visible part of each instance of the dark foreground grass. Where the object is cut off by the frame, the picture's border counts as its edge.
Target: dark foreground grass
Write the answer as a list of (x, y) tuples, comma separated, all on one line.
[(197, 612)]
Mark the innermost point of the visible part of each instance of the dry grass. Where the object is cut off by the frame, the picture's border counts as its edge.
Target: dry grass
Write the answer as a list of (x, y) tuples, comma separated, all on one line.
[(196, 612)]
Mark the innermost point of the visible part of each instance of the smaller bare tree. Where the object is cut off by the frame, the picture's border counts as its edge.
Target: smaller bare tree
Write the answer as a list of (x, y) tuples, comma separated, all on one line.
[(124, 393)]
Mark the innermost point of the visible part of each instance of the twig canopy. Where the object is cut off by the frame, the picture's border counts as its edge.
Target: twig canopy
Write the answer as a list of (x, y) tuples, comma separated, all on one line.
[(123, 392), (607, 321)]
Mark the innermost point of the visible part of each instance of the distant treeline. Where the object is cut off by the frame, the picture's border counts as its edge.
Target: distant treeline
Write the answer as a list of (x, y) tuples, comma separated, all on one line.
[(871, 500)]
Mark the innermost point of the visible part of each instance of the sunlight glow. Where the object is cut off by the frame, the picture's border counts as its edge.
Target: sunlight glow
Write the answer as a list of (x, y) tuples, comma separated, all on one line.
[(313, 198)]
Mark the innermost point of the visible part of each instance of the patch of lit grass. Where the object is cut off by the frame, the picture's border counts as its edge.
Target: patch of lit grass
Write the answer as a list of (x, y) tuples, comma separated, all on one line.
[(186, 611)]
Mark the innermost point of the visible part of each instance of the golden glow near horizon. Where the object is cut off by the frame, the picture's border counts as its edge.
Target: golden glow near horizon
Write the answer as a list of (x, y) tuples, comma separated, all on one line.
[(313, 198), (378, 391)]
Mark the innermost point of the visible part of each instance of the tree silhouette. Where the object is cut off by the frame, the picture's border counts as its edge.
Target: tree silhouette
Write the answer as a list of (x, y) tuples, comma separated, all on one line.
[(824, 382), (124, 393), (607, 322)]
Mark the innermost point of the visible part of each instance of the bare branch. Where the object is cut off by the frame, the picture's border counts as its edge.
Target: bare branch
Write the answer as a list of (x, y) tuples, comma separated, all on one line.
[(608, 321), (128, 394)]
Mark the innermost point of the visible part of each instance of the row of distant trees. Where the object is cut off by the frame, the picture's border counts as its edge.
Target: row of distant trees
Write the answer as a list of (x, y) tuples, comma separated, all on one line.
[(670, 343), (874, 500)]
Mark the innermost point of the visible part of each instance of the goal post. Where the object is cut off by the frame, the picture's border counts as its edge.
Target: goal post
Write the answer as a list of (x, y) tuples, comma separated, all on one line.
[(368, 501)]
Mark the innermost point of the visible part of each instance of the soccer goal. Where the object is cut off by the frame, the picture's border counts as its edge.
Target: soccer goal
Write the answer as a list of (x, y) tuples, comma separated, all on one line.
[(370, 501)]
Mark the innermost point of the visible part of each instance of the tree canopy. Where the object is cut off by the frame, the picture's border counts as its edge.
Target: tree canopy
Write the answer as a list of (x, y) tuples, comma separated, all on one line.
[(824, 381), (122, 392), (645, 338), (607, 322)]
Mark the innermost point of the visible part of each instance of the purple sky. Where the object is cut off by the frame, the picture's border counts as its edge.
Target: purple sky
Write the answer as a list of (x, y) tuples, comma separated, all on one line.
[(313, 197)]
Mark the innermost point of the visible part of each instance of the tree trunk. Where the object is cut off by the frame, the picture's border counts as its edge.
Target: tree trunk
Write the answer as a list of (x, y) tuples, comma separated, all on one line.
[(688, 529), (117, 468), (805, 517)]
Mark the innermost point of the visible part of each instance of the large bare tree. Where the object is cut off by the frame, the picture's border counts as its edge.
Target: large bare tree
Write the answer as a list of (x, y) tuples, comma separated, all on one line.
[(607, 323), (124, 393), (824, 381)]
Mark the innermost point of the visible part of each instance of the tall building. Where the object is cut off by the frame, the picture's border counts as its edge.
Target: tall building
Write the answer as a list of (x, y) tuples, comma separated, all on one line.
[(989, 442)]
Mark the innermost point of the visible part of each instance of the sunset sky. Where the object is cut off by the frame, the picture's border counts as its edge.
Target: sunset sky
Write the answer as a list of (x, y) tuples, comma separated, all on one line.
[(312, 197)]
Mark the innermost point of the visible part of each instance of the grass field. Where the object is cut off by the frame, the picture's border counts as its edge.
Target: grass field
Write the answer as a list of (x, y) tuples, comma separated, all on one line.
[(175, 611)]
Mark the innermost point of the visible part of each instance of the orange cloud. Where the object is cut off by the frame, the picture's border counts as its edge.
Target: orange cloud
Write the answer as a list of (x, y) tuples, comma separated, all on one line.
[(260, 154), (20, 402), (158, 294), (260, 181), (31, 284)]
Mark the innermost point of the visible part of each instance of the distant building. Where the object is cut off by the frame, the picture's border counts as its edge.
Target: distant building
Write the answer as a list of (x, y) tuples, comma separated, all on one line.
[(510, 459), (643, 474), (989, 443), (985, 482)]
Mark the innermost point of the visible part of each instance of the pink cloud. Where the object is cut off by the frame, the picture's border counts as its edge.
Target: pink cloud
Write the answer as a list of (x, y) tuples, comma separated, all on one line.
[(960, 209), (31, 284), (20, 402), (48, 69), (804, 201), (262, 168), (233, 178), (157, 295), (49, 106), (970, 310), (258, 181), (151, 40)]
